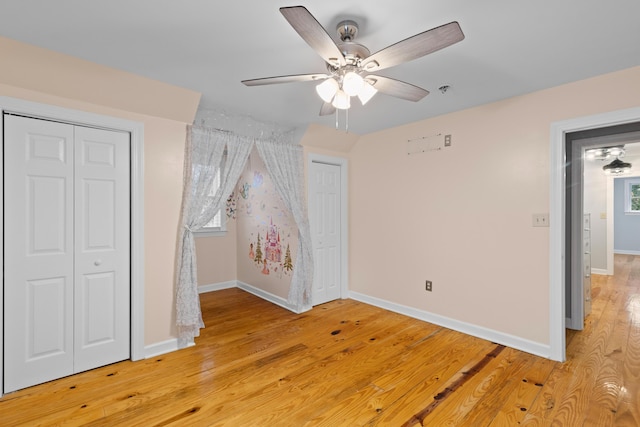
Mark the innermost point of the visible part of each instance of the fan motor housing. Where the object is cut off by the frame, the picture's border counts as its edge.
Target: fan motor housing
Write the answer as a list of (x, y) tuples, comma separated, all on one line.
[(353, 52), (347, 30)]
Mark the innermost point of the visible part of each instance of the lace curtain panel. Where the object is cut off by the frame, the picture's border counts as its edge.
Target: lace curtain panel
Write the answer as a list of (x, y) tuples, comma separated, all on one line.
[(204, 154), (284, 163)]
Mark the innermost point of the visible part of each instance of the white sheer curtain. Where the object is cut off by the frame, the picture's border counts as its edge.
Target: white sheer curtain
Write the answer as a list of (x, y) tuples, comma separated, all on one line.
[(204, 154), (284, 163)]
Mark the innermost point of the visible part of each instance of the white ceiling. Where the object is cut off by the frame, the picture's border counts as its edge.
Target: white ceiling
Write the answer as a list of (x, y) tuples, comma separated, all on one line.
[(511, 48)]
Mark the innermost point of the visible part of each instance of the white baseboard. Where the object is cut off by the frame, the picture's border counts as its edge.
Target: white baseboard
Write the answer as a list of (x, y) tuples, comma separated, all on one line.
[(252, 290), (163, 347), (538, 349), (624, 252), (528, 346), (217, 286), (600, 271), (266, 296)]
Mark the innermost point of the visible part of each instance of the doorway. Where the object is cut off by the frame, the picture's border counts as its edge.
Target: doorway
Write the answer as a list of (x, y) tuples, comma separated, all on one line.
[(559, 244), (582, 225), (135, 131), (327, 199)]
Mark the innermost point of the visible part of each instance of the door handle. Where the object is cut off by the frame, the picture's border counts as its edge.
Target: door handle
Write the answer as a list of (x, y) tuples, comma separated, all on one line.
[(97, 262)]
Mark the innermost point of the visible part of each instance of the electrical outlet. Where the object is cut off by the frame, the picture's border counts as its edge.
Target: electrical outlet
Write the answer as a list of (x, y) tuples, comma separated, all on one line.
[(541, 220), (428, 286), (447, 140)]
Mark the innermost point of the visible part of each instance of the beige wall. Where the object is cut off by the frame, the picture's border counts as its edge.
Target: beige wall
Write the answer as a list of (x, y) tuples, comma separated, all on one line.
[(462, 216), (216, 257), (42, 76)]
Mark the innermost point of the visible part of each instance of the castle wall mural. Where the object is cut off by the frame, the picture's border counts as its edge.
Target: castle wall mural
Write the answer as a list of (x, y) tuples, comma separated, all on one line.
[(266, 231)]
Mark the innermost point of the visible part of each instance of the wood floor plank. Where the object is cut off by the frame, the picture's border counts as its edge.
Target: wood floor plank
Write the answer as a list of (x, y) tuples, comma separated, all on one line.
[(346, 363), (413, 408), (422, 363), (517, 400)]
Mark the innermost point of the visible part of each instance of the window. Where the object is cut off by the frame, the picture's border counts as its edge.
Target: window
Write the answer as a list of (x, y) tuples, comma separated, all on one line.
[(632, 196), (217, 226)]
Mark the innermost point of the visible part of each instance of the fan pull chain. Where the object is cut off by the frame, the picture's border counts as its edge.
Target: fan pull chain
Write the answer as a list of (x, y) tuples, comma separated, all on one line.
[(346, 116)]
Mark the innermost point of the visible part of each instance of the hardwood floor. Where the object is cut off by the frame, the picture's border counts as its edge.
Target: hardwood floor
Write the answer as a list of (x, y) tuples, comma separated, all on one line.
[(348, 364)]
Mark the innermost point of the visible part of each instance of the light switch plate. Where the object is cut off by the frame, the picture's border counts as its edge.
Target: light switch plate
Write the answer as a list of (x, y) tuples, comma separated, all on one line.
[(541, 220)]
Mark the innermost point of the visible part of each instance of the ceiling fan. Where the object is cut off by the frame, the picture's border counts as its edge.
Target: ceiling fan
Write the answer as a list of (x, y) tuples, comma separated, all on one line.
[(350, 64)]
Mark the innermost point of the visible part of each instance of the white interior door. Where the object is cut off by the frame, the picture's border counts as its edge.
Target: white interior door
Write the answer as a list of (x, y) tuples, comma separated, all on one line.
[(66, 248), (324, 209), (38, 251), (102, 279)]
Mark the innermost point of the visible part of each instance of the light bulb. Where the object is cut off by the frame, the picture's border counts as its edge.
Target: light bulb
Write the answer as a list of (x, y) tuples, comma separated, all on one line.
[(352, 83), (327, 89), (341, 100), (616, 151), (367, 92)]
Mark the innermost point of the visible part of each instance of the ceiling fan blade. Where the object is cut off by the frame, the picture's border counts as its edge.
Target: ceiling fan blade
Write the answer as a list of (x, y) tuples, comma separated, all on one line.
[(327, 108), (285, 79), (314, 34), (414, 47), (397, 88)]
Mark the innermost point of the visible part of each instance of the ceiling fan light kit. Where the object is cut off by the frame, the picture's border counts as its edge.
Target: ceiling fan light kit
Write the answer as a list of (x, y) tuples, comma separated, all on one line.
[(349, 63)]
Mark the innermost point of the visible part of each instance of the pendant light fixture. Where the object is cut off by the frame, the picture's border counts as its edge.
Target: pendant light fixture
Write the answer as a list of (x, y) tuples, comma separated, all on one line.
[(617, 167)]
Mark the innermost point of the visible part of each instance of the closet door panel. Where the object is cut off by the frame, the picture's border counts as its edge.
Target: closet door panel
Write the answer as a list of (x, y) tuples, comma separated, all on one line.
[(38, 250), (102, 248)]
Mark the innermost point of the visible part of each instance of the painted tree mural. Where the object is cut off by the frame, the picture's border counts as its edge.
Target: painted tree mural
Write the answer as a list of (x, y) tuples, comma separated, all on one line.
[(288, 265), (258, 258)]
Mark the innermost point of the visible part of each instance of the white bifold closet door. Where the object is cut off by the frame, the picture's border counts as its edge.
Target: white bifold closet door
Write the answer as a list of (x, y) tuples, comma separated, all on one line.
[(66, 249)]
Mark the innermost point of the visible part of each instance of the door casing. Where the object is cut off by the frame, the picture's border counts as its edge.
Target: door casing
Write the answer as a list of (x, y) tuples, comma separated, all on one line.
[(136, 130)]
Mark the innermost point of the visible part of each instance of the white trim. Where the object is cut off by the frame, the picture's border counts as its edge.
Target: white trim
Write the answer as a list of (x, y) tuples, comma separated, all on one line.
[(267, 296), (528, 346), (136, 130), (217, 286), (557, 215), (164, 347), (209, 232), (625, 252), (344, 212), (600, 271)]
